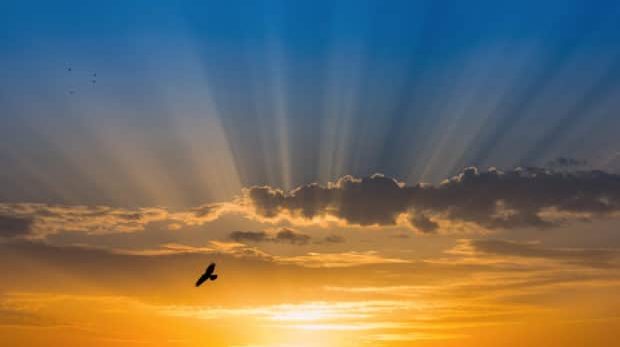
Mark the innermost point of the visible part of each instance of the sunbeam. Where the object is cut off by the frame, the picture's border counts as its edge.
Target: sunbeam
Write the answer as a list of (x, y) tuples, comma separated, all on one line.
[(309, 173)]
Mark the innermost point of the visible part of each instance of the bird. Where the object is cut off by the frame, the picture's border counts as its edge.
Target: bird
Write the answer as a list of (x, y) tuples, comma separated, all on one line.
[(208, 275)]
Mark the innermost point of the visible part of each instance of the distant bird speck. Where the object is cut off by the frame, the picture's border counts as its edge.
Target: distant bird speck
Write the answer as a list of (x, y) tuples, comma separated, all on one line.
[(208, 275), (69, 69)]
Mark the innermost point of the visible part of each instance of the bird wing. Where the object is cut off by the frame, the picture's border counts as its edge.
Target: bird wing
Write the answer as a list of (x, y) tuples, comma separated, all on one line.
[(210, 269), (202, 278)]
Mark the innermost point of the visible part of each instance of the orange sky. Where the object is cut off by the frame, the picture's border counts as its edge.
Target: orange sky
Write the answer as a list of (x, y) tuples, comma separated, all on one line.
[(116, 281)]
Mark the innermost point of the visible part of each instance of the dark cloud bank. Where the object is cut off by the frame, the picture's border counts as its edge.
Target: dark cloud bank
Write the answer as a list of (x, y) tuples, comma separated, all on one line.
[(11, 226), (492, 199), (523, 197)]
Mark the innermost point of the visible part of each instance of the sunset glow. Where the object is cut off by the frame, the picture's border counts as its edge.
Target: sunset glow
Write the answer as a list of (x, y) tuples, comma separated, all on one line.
[(362, 173)]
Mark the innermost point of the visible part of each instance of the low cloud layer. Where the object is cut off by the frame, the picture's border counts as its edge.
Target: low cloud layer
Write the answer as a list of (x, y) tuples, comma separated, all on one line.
[(505, 249), (529, 197), (470, 201), (36, 220), (566, 163), (283, 236)]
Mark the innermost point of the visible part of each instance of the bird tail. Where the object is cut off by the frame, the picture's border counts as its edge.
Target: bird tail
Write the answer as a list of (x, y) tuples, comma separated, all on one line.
[(213, 277)]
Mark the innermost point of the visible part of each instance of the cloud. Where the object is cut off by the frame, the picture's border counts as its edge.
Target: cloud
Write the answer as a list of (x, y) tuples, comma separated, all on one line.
[(503, 249), (334, 239), (240, 250), (249, 236), (366, 201), (39, 220), (14, 226), (167, 249), (566, 162), (285, 235), (335, 260), (423, 223), (472, 201), (492, 199), (310, 259), (292, 237)]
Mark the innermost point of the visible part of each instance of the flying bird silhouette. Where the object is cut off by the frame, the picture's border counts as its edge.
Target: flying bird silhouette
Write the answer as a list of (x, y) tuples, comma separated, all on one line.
[(208, 275)]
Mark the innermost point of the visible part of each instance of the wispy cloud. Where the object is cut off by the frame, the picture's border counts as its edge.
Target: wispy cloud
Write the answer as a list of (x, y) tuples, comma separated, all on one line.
[(506, 251), (345, 259), (39, 220), (312, 259), (241, 250), (284, 235)]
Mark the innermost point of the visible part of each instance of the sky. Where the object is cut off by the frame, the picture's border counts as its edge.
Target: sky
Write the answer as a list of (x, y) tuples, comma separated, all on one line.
[(364, 173)]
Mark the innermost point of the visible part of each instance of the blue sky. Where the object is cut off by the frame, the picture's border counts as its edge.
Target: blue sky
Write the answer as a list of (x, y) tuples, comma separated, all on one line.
[(286, 93)]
